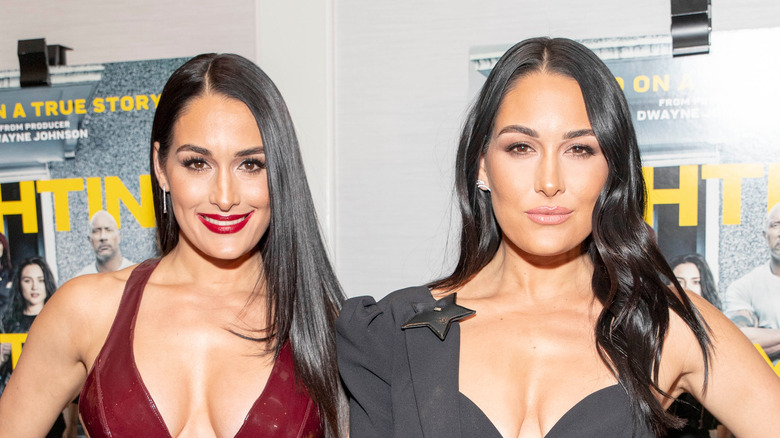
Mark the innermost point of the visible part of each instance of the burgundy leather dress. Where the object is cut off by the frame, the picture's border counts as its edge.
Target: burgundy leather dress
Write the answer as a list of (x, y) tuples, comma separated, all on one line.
[(114, 401)]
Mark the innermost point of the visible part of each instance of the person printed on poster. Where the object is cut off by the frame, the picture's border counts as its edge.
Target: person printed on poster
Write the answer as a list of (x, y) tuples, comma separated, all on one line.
[(753, 301), (6, 270), (693, 273), (32, 286), (105, 237)]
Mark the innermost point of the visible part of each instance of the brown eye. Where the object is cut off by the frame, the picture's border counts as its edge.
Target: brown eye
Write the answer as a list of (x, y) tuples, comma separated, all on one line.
[(197, 164), (581, 150), (253, 165), (519, 148)]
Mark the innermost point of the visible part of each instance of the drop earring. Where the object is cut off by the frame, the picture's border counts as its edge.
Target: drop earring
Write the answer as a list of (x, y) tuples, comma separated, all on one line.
[(482, 186), (165, 205)]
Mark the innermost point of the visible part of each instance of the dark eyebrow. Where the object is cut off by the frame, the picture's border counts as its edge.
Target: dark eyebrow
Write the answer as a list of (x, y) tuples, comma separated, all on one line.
[(206, 152), (532, 133), (520, 129), (251, 151), (579, 133), (193, 148)]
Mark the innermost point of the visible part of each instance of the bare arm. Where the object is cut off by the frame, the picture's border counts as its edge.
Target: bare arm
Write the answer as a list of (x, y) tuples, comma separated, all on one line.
[(742, 390), (50, 370), (747, 321)]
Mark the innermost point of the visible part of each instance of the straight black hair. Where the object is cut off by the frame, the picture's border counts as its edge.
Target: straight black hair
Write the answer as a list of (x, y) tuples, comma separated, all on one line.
[(303, 293), (629, 276)]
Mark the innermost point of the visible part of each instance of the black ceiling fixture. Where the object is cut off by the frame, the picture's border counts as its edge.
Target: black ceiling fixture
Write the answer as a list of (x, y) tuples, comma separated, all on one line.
[(691, 26), (35, 57)]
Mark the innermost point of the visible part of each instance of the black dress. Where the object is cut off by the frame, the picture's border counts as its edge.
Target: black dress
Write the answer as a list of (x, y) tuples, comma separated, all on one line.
[(404, 382)]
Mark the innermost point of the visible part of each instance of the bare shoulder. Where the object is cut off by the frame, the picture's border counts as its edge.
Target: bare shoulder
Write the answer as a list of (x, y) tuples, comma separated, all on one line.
[(714, 321), (84, 308), (682, 341), (730, 350), (720, 329), (91, 293), (735, 371)]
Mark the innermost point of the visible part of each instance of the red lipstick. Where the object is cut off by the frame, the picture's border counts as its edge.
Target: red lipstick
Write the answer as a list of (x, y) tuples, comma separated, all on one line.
[(225, 223), (549, 215)]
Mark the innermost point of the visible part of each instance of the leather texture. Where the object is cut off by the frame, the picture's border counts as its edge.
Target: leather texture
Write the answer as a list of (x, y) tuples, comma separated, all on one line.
[(114, 401)]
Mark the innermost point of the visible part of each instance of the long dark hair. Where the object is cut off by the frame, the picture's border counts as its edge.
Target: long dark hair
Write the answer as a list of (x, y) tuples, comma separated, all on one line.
[(17, 305), (5, 258), (303, 293), (706, 281), (629, 276)]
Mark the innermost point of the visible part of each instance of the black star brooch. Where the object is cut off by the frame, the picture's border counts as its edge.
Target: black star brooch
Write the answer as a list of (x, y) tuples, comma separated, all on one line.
[(438, 316)]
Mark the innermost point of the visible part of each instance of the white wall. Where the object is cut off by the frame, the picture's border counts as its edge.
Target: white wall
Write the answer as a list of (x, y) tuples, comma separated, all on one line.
[(291, 40), (295, 48), (112, 30), (402, 84), (377, 91)]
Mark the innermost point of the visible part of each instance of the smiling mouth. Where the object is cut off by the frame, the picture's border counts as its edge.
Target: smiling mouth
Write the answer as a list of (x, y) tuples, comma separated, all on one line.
[(225, 224)]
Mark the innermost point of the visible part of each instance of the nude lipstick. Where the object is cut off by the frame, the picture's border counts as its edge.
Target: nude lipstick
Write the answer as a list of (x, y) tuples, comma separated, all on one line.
[(549, 215), (225, 223)]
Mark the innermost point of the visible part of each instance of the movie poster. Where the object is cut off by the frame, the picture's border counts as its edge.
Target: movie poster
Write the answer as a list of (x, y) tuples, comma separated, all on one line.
[(706, 131), (706, 126), (75, 190)]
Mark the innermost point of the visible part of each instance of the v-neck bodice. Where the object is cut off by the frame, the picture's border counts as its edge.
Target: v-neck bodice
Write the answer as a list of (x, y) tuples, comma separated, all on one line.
[(115, 402), (605, 412), (404, 383)]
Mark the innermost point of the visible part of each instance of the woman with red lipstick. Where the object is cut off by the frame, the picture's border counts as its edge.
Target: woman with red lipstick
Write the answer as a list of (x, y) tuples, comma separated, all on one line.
[(230, 332), (557, 320)]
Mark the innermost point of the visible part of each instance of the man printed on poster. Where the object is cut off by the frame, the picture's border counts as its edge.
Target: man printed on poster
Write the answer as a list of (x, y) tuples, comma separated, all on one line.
[(753, 301), (105, 237)]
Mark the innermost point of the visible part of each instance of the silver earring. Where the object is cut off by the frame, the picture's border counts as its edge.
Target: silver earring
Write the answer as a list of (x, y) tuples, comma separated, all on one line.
[(165, 205), (482, 186)]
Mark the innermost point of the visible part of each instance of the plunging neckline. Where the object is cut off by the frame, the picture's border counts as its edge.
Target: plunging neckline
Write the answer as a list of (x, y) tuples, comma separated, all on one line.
[(554, 428), (153, 404), (557, 423)]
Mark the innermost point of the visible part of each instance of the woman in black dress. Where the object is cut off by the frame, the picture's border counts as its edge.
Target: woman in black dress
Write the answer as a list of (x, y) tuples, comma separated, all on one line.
[(563, 324)]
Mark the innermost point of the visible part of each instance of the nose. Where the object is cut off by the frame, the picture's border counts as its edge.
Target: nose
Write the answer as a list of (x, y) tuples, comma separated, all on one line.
[(224, 193), (549, 178)]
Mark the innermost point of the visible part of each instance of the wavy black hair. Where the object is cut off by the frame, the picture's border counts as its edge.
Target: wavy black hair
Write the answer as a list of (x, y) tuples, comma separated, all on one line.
[(629, 276), (709, 291), (303, 293)]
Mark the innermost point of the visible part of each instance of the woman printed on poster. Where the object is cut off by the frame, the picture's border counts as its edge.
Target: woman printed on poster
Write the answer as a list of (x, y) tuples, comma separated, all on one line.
[(693, 273), (32, 286), (6, 270)]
